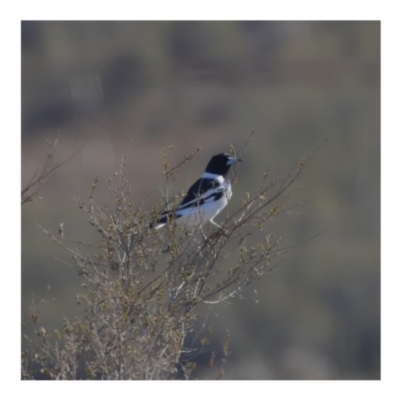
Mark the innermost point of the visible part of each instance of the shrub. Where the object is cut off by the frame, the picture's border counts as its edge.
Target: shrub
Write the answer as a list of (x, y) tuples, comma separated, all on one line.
[(143, 287)]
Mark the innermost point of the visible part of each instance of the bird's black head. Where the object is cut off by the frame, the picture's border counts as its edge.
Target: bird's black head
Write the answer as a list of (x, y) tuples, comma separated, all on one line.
[(220, 164)]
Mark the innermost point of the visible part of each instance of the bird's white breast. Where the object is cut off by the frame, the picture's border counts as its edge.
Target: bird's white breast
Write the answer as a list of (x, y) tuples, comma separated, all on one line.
[(199, 215)]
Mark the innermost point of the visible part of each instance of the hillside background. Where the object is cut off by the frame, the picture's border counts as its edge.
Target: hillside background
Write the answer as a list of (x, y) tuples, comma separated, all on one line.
[(135, 88)]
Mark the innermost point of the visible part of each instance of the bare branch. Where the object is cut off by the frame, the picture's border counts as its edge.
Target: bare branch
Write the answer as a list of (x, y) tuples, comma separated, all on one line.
[(49, 167)]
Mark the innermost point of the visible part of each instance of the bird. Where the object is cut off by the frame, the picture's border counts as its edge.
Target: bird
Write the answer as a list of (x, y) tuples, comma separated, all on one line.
[(206, 198)]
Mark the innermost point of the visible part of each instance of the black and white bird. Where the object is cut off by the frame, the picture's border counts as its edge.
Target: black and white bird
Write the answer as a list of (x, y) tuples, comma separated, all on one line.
[(206, 198)]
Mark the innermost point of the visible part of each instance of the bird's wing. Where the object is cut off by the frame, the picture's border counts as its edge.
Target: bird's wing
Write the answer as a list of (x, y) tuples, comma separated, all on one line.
[(200, 192)]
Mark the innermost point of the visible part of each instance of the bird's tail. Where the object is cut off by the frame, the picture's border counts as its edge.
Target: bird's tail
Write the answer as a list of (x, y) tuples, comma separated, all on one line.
[(160, 222)]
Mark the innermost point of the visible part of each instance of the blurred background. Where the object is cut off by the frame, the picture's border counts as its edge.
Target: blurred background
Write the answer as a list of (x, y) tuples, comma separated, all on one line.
[(107, 89)]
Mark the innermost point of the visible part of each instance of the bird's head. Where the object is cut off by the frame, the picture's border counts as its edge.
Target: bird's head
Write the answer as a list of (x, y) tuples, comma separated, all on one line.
[(221, 163)]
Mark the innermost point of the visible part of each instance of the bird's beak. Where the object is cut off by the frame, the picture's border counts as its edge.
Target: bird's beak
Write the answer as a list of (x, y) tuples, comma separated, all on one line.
[(233, 160)]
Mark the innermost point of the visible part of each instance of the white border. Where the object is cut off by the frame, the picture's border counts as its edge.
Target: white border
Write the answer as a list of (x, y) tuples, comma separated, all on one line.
[(10, 234)]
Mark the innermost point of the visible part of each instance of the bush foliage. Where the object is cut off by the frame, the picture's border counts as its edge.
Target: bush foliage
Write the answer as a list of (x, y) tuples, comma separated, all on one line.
[(143, 287)]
